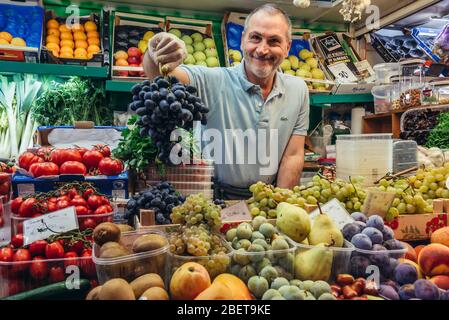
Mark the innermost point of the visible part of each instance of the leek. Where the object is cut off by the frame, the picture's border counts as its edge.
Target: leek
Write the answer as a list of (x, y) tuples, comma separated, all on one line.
[(6, 103)]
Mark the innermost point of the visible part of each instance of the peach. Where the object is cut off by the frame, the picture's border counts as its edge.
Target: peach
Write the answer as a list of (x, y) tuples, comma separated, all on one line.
[(441, 282), (434, 260), (217, 291), (238, 288), (188, 281), (419, 248), (413, 263), (411, 253), (441, 236)]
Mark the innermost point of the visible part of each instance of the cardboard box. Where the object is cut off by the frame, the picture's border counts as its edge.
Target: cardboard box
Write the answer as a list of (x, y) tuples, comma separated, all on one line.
[(19, 53), (417, 226), (231, 31), (138, 24)]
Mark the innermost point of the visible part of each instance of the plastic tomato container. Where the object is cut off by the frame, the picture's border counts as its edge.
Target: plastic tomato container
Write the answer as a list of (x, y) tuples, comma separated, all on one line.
[(339, 259), (133, 265), (366, 262), (17, 277), (5, 185), (5, 223)]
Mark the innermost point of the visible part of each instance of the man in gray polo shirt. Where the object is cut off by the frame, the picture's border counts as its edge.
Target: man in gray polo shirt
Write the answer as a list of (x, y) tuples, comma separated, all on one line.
[(262, 115)]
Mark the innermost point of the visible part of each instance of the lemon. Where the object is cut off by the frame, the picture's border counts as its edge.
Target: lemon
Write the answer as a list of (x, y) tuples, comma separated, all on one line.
[(3, 41), (19, 42), (148, 35)]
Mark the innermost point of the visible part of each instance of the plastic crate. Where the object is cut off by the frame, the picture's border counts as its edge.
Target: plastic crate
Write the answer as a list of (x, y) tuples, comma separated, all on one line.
[(5, 223), (411, 112), (133, 265)]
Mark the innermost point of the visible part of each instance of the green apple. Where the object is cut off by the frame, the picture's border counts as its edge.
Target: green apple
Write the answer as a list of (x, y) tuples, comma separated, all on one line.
[(199, 56), (201, 63), (197, 37), (212, 62), (176, 32), (190, 49), (235, 55), (211, 52), (190, 59), (209, 43), (187, 40), (286, 65), (199, 46)]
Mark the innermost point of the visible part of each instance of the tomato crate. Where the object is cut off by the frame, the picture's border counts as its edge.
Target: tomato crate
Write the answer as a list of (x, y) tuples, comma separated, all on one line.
[(17, 277), (5, 223)]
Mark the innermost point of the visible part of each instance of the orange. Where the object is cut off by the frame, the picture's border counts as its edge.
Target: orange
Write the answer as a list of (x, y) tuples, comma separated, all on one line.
[(93, 34), (77, 27), (81, 44), (52, 24), (3, 41), (93, 41), (66, 50), (66, 35), (53, 32), (90, 26), (121, 63), (93, 48), (52, 39), (55, 53), (81, 55), (18, 42), (90, 56), (6, 35), (78, 35), (63, 28), (52, 46), (66, 55), (79, 51), (67, 43)]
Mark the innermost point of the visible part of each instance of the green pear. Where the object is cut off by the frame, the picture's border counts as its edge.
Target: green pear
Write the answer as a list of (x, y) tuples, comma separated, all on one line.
[(212, 62), (314, 264), (190, 59), (176, 32), (189, 49), (209, 43), (187, 40), (294, 61), (199, 46), (324, 231), (199, 56), (290, 72), (286, 65), (197, 37), (293, 221)]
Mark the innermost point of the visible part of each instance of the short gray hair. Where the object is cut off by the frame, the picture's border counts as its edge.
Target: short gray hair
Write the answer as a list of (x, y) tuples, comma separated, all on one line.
[(271, 9)]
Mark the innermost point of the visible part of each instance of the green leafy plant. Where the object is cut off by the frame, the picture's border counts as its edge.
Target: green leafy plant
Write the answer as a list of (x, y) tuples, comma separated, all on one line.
[(439, 136)]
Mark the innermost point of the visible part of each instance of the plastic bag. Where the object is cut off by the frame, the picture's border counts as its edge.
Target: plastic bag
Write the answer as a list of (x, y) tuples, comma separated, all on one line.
[(441, 47)]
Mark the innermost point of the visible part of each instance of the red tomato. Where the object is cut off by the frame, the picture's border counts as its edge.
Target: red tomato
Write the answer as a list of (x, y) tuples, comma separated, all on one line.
[(19, 227), (78, 201), (88, 223), (7, 167), (87, 265), (28, 208), (42, 207), (21, 256), (52, 206), (103, 209), (88, 193), (76, 247), (82, 150), (17, 240), (37, 248), (54, 250), (92, 158), (39, 268), (2, 222), (63, 198), (6, 254), (59, 156), (95, 201), (15, 286), (62, 204), (44, 153), (73, 193), (44, 169), (110, 166), (53, 199), (56, 274), (26, 159), (73, 167), (5, 186), (72, 259), (103, 148), (81, 210), (15, 205)]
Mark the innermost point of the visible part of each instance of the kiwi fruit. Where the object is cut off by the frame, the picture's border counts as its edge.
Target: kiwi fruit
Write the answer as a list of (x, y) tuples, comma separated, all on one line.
[(145, 282), (154, 293), (105, 232), (113, 252), (109, 245), (93, 294), (124, 227), (149, 242), (116, 289)]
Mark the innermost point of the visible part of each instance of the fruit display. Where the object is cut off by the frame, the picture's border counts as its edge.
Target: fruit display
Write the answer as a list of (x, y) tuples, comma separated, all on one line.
[(283, 289), (5, 185), (348, 288), (45, 261), (72, 41), (164, 105), (91, 207), (201, 49), (128, 255), (161, 198), (375, 246), (196, 210), (48, 161)]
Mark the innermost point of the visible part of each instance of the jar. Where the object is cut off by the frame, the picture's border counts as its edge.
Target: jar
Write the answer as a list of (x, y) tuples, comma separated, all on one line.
[(429, 95), (442, 91), (411, 89), (412, 68)]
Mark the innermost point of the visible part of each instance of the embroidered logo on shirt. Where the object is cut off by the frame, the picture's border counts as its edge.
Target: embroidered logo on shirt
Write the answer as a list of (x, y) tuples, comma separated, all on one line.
[(284, 118)]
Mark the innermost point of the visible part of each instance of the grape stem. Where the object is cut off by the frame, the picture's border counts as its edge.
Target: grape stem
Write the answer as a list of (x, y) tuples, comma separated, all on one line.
[(350, 180)]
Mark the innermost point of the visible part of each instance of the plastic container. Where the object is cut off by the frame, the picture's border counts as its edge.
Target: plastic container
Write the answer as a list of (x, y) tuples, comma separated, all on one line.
[(384, 72), (382, 263), (208, 194), (5, 223), (412, 68), (340, 259), (133, 265), (382, 98), (15, 277), (442, 91), (408, 121), (205, 169), (185, 185), (5, 183), (404, 155)]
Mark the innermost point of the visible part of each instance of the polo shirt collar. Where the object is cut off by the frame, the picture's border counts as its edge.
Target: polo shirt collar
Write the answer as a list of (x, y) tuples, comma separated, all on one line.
[(278, 86)]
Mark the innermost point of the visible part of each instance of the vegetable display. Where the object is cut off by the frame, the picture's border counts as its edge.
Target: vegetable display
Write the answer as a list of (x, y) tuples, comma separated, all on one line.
[(439, 136)]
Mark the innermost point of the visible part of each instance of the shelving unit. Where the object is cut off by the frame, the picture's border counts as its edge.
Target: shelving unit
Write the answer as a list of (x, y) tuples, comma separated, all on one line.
[(53, 69), (322, 100)]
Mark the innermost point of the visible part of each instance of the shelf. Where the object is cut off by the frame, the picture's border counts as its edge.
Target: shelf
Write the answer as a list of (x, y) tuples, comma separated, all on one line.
[(321, 99), (53, 69), (119, 86)]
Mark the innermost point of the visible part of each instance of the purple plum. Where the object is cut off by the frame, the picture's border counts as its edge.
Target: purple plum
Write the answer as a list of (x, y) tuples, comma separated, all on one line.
[(426, 290), (374, 234), (375, 221), (405, 274)]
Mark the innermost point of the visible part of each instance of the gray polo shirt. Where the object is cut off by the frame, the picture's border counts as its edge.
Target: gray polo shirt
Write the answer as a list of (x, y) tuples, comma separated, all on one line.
[(237, 109)]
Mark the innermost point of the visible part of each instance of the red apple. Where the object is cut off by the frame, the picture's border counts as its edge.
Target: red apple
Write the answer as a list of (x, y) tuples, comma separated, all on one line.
[(134, 52), (123, 73), (134, 73), (134, 60)]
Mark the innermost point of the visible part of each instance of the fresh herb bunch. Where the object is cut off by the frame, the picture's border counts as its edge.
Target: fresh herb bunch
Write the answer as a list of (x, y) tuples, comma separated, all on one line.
[(74, 100), (439, 136), (136, 152)]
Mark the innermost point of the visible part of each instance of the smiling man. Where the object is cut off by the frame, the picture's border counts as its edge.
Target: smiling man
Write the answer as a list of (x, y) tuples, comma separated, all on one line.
[(261, 113)]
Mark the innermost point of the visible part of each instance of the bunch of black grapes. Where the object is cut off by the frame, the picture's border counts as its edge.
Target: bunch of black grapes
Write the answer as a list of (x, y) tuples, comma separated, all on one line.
[(164, 105)]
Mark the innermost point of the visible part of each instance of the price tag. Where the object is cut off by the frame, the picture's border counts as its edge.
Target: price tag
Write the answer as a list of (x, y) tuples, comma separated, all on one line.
[(335, 211), (236, 212), (42, 227), (342, 73), (378, 202)]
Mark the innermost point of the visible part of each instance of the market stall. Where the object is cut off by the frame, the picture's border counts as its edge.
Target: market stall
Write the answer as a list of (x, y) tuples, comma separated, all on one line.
[(102, 176)]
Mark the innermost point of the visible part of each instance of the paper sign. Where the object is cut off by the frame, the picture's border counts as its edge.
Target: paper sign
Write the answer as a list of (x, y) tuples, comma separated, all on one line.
[(236, 212), (42, 227), (342, 73), (335, 211), (378, 202)]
